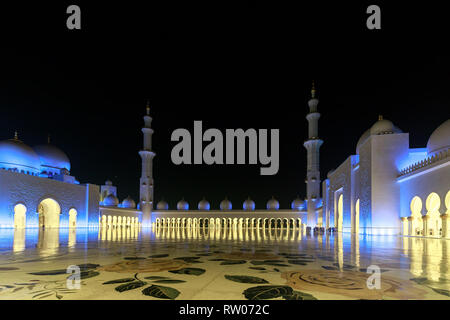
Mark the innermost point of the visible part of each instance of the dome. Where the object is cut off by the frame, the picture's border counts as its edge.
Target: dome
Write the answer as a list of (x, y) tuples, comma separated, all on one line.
[(439, 139), (108, 183), (226, 204), (203, 205), (52, 157), (362, 139), (382, 126), (111, 201), (128, 203), (248, 204), (273, 204), (182, 205), (298, 204), (162, 205), (14, 154)]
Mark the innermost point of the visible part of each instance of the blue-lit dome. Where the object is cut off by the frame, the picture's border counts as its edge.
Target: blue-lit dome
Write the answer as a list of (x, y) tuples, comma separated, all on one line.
[(182, 205), (52, 159), (203, 205), (162, 205), (248, 204), (273, 204), (298, 204), (16, 155), (129, 203), (226, 205), (111, 201)]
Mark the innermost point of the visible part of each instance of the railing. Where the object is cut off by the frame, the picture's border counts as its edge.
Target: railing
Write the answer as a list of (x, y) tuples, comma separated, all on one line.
[(426, 162)]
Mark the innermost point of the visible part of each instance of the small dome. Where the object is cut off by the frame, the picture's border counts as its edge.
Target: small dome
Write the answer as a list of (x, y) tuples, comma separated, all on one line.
[(14, 154), (203, 205), (226, 204), (383, 126), (439, 139), (298, 204), (182, 205), (128, 203), (108, 183), (111, 201), (248, 204), (52, 158), (162, 205), (273, 204)]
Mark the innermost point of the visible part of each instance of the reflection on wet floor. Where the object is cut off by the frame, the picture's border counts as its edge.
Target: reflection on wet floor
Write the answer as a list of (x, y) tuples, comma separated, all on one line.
[(403, 257)]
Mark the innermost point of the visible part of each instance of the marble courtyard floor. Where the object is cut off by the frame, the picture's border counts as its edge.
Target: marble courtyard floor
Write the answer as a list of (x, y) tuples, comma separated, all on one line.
[(208, 264)]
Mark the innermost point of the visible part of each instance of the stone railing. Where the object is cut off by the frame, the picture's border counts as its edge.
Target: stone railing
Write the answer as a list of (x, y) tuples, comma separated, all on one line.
[(426, 162)]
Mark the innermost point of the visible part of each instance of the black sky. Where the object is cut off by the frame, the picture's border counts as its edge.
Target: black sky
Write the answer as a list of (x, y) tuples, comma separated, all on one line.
[(246, 65)]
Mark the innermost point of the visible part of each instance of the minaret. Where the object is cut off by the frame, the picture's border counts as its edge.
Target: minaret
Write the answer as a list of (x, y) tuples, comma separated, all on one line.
[(312, 146), (146, 181)]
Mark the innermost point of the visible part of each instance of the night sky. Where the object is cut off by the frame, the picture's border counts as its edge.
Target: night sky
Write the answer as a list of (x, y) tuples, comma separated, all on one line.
[(231, 66)]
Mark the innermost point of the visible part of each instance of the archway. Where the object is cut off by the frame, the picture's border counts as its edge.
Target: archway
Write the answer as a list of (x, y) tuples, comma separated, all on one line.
[(356, 222), (340, 209), (72, 218), (433, 221), (416, 217), (49, 212), (19, 216)]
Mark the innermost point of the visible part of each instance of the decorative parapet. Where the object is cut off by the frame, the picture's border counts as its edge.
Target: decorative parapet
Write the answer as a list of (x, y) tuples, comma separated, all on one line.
[(445, 154)]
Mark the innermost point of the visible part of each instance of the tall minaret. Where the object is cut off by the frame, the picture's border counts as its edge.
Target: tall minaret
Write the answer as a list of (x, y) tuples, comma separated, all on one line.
[(312, 145), (146, 181)]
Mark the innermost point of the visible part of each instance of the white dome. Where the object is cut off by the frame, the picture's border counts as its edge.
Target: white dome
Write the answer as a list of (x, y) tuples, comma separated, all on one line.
[(248, 204), (162, 205), (298, 204), (128, 203), (382, 126), (182, 205), (111, 201), (226, 205), (273, 204), (439, 139), (14, 154), (52, 158), (203, 205)]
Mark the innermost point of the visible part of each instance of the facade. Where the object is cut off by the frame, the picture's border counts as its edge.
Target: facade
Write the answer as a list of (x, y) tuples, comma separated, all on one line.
[(388, 187), (37, 190)]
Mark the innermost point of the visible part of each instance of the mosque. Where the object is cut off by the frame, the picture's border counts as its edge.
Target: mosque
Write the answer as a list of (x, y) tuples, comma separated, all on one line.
[(379, 190)]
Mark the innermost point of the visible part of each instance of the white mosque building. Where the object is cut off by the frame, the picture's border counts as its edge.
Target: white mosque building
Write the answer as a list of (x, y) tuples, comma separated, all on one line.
[(388, 187), (385, 188)]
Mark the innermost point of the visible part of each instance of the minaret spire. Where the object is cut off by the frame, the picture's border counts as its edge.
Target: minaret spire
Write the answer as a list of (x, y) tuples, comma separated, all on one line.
[(146, 181), (312, 146)]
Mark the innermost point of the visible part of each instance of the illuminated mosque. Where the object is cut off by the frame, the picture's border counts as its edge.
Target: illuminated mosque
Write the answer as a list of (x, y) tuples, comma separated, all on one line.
[(385, 188)]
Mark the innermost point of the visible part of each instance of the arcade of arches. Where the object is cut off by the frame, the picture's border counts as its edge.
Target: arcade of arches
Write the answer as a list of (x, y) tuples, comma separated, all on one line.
[(275, 223), (108, 221), (432, 223), (49, 212)]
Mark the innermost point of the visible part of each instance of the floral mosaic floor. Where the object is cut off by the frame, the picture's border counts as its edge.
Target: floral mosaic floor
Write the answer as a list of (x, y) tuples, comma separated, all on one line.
[(219, 264)]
